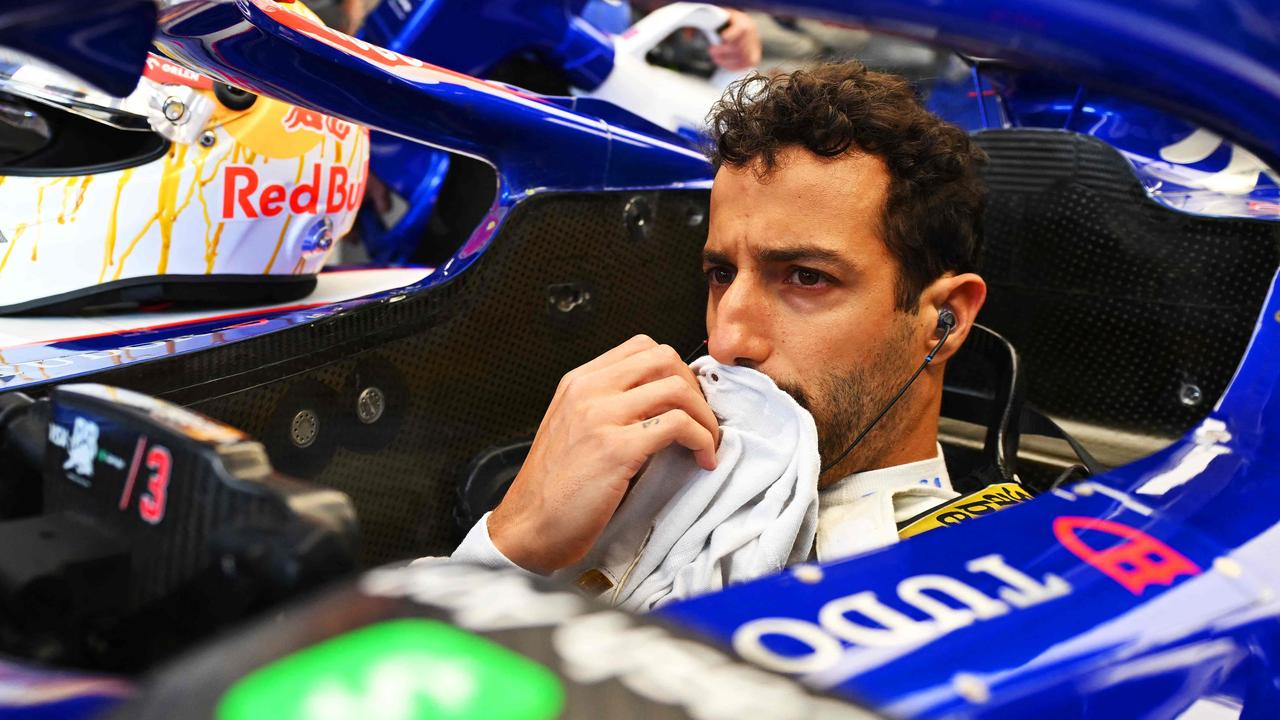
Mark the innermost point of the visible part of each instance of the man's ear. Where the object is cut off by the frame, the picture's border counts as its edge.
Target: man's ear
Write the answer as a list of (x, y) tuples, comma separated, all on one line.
[(963, 294)]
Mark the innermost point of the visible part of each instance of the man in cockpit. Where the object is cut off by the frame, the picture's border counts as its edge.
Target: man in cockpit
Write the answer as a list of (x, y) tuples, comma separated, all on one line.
[(845, 225)]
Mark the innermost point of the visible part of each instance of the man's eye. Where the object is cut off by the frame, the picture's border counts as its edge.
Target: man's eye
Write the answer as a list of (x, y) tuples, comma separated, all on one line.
[(805, 277), (720, 276)]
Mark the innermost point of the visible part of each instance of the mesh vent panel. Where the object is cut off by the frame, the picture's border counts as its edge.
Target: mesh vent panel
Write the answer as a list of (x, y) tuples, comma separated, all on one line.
[(1114, 301)]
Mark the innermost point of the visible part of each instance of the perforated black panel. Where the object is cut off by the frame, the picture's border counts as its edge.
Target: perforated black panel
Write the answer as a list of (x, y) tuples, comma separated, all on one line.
[(1114, 301), (463, 367)]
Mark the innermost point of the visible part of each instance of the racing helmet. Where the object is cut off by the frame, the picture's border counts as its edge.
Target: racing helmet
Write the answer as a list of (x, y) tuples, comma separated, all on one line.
[(186, 190)]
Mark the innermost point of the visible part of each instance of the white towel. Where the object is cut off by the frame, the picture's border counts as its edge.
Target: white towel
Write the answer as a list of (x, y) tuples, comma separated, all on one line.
[(682, 531)]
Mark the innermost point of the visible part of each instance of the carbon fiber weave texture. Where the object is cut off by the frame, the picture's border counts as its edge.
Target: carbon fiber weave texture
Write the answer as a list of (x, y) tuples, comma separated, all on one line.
[(464, 366)]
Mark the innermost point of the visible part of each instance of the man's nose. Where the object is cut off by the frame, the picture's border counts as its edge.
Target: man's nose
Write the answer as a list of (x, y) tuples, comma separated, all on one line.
[(738, 326)]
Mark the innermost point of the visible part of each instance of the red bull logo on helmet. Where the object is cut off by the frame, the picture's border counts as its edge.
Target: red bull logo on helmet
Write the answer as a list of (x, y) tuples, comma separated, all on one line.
[(301, 119), (334, 190)]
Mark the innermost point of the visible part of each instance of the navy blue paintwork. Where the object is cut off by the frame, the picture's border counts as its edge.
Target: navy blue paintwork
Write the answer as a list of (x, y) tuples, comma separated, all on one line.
[(472, 37), (415, 172), (104, 42)]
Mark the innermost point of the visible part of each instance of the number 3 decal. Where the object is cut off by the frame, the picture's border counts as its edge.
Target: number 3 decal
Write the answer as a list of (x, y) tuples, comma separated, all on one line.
[(151, 504)]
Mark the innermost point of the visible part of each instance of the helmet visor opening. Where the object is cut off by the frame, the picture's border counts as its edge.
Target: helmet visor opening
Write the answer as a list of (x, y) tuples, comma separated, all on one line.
[(41, 140)]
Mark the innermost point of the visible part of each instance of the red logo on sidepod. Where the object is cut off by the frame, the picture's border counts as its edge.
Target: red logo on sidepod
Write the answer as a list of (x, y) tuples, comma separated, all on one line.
[(1137, 562)]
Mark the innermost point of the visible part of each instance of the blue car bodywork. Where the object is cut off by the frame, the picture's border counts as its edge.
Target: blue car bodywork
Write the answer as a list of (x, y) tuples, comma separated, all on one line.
[(1131, 595), (105, 45)]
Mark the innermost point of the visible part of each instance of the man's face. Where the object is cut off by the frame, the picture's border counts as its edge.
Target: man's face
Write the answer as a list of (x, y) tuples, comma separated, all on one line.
[(802, 288)]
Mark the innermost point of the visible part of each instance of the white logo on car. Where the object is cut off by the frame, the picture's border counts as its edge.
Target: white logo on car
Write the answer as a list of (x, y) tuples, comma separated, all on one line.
[(83, 448)]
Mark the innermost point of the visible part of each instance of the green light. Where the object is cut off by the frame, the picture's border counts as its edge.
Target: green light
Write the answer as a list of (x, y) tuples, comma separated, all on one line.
[(407, 669)]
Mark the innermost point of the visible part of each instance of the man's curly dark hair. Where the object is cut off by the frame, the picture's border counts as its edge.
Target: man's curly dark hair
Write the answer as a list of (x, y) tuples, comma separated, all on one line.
[(932, 219)]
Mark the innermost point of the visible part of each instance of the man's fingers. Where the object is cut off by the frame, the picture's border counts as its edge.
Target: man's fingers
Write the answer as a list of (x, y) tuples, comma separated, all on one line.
[(730, 58), (636, 344), (720, 53), (655, 363), (676, 426), (670, 393), (739, 24), (659, 363), (733, 31), (740, 46)]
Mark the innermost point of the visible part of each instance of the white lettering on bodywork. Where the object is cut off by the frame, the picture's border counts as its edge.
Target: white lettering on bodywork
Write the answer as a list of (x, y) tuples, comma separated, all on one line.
[(864, 620)]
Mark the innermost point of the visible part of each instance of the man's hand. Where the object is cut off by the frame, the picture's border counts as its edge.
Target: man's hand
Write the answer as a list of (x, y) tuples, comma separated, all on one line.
[(740, 47), (607, 418)]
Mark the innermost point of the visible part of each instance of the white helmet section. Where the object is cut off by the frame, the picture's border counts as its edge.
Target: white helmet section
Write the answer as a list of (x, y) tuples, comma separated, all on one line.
[(263, 191)]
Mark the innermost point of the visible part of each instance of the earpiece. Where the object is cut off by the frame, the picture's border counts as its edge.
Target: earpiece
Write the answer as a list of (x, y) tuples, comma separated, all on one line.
[(946, 320), (946, 323)]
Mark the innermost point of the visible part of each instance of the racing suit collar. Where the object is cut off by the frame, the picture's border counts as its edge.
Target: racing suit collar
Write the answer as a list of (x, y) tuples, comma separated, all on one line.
[(859, 512)]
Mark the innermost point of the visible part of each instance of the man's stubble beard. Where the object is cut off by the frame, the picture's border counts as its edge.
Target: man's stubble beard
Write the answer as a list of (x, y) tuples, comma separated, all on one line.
[(843, 402)]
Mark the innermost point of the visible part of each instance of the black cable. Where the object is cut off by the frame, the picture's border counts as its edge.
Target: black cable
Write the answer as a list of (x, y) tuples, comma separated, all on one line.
[(946, 332), (693, 354), (1073, 473)]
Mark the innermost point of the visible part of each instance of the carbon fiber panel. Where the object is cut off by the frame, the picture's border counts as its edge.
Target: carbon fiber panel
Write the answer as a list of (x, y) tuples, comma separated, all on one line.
[(463, 367), (1117, 305)]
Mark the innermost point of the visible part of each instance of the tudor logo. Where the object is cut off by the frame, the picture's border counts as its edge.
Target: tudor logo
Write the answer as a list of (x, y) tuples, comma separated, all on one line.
[(1137, 562), (869, 620), (243, 197)]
